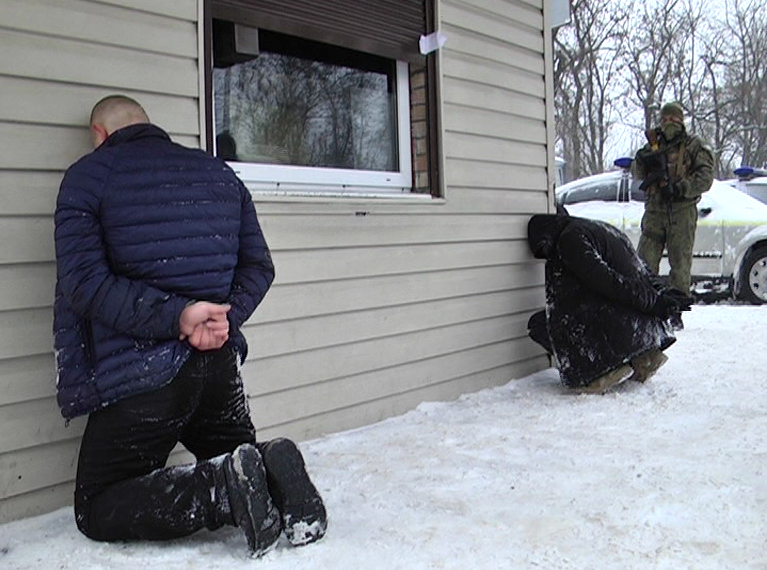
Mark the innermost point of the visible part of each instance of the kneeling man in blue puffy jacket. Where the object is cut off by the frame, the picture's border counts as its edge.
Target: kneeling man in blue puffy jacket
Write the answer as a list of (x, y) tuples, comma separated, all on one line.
[(160, 261)]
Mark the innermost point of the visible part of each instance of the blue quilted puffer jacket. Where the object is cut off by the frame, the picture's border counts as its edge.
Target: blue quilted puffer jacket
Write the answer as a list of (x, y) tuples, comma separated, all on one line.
[(144, 226)]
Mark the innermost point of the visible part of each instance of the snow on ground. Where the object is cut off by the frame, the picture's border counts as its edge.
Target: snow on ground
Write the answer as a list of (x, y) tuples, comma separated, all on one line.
[(666, 475)]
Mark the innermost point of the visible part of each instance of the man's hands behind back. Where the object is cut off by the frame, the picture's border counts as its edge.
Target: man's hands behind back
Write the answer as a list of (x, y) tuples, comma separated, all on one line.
[(204, 325)]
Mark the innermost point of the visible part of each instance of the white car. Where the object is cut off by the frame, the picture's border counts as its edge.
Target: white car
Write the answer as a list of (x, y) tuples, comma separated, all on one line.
[(751, 181), (730, 251)]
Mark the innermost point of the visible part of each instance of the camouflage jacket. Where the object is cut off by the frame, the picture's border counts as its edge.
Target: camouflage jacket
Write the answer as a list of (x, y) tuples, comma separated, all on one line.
[(693, 175)]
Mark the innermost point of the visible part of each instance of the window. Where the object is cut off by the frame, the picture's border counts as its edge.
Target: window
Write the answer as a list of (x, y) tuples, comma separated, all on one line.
[(294, 108), (606, 191)]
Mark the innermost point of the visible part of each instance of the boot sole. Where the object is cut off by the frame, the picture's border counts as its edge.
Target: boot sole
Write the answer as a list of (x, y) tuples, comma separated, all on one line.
[(303, 514), (646, 365), (602, 384), (260, 522)]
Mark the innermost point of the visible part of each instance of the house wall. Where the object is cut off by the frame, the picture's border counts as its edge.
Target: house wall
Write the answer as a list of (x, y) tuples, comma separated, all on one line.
[(377, 306)]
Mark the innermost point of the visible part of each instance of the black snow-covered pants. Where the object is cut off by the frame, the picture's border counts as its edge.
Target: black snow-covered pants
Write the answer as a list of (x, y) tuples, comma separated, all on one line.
[(537, 330), (123, 489)]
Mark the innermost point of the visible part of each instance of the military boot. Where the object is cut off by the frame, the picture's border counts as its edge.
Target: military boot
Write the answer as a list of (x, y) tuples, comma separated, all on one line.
[(303, 513), (251, 505), (647, 364), (606, 381)]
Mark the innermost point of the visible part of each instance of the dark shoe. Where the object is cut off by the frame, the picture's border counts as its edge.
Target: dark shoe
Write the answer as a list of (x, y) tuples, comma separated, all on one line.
[(303, 514), (249, 499), (606, 381), (647, 364)]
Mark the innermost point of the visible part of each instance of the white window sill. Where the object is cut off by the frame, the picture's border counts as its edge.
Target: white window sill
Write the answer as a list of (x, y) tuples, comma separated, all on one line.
[(341, 196)]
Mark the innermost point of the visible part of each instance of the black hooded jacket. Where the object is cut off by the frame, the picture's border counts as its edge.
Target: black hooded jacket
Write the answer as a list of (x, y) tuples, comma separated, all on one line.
[(598, 297)]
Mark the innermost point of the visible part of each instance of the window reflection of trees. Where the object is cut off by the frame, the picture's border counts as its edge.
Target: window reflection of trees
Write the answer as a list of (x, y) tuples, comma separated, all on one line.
[(288, 110)]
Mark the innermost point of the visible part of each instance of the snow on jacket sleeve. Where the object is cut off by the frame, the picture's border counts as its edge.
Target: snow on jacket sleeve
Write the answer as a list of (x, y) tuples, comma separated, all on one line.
[(581, 256), (83, 271), (255, 271)]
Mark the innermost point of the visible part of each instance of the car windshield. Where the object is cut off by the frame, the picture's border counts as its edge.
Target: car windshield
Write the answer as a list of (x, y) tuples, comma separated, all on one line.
[(603, 188)]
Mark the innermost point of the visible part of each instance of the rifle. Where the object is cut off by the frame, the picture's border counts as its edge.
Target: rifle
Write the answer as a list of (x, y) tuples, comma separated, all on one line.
[(655, 165)]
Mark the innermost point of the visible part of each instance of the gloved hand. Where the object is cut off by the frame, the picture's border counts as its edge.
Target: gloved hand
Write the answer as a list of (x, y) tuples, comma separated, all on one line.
[(670, 302), (670, 192)]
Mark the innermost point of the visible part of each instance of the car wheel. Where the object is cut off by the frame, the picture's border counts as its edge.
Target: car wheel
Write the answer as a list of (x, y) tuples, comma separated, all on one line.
[(753, 277)]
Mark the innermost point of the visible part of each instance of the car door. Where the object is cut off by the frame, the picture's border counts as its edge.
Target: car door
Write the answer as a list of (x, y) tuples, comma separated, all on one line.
[(708, 250)]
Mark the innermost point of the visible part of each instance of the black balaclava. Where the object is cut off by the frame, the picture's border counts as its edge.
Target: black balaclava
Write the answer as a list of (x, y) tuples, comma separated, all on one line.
[(542, 233)]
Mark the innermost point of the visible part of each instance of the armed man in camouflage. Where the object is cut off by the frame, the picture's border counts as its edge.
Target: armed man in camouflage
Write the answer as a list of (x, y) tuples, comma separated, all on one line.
[(675, 168)]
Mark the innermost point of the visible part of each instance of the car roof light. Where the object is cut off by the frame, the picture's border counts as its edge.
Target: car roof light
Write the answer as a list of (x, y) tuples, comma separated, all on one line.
[(743, 172), (749, 172), (623, 162)]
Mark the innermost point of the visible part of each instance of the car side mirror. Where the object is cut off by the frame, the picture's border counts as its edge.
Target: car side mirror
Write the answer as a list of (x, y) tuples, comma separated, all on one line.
[(705, 211)]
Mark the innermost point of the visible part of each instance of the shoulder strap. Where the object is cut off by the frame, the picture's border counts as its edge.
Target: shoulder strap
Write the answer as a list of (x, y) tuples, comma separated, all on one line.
[(680, 161)]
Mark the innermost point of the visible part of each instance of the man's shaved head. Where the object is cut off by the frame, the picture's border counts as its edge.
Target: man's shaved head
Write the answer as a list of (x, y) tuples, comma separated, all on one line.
[(113, 113)]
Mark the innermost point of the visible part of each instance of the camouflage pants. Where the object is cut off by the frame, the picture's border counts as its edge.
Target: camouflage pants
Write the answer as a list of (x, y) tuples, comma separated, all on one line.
[(671, 226)]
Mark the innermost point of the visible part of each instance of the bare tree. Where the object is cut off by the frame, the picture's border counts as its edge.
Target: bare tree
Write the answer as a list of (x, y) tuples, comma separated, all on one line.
[(620, 60), (585, 56), (657, 35), (746, 79)]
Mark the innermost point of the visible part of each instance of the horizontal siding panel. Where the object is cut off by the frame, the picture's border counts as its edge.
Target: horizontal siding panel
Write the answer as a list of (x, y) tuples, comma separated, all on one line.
[(318, 232), (528, 13), (34, 423), (28, 193), (31, 332), (481, 200), (181, 9), (506, 27), (313, 399), (488, 72), (371, 412), (102, 24), (482, 47), (286, 337), (62, 104), (298, 266), (25, 240), (56, 59), (41, 147), (514, 10), (27, 286), (476, 147), (495, 175), (527, 4), (21, 471), (323, 298), (37, 502), (464, 93), (492, 124), (326, 364), (191, 142), (27, 378)]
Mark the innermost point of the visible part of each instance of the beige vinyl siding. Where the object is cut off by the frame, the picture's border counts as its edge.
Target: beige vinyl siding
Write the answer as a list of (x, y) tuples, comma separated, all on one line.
[(58, 58), (376, 307)]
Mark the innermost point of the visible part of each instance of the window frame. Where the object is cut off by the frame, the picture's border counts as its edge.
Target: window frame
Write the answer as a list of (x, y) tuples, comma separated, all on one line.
[(290, 178)]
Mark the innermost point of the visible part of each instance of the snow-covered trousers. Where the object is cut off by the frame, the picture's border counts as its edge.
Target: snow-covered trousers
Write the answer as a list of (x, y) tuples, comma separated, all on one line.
[(123, 489)]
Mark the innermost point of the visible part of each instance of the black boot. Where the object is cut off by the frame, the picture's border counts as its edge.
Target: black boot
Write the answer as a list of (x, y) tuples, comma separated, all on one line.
[(303, 512), (249, 500)]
